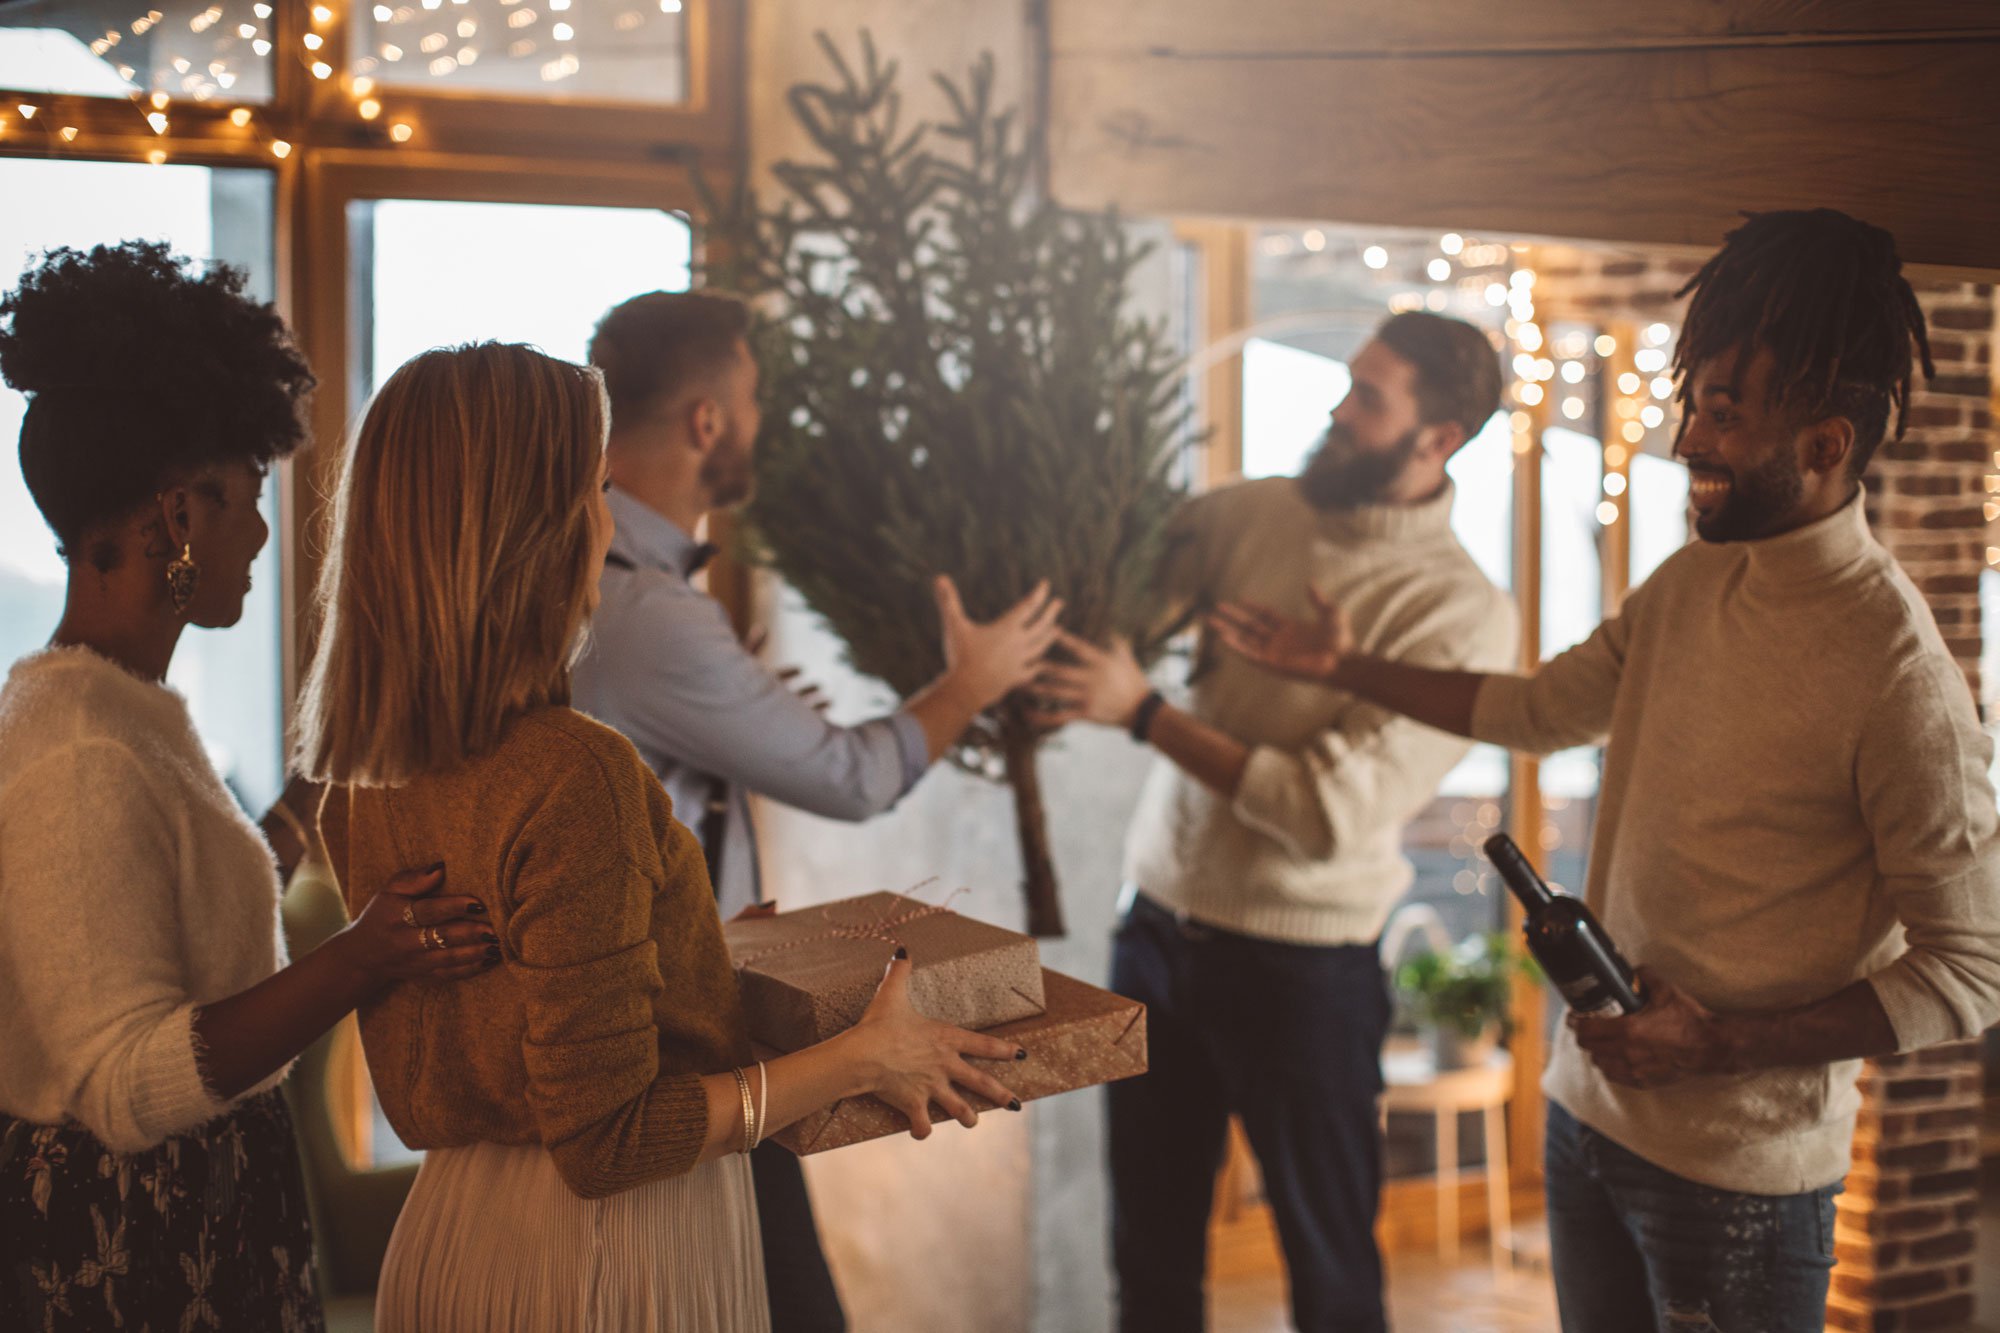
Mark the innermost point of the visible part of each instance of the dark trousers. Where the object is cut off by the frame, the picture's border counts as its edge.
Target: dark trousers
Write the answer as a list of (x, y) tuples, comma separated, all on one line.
[(1289, 1038), (1638, 1249), (796, 1278)]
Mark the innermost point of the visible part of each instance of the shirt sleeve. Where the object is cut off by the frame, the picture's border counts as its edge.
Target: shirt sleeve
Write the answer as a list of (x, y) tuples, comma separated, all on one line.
[(1568, 701), (578, 934), (683, 685), (1921, 770), (92, 945), (1372, 768)]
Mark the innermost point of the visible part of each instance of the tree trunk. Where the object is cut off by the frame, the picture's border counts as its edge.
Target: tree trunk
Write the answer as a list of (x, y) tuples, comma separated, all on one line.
[(1018, 744)]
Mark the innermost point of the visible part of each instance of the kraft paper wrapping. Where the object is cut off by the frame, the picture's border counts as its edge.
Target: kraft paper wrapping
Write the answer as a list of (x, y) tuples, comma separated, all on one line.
[(809, 975), (1085, 1036)]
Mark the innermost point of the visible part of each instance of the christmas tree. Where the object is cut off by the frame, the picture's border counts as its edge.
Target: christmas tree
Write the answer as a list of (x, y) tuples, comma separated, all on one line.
[(953, 384)]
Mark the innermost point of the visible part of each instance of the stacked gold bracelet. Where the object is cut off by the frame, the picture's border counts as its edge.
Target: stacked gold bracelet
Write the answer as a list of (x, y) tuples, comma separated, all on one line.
[(749, 1110)]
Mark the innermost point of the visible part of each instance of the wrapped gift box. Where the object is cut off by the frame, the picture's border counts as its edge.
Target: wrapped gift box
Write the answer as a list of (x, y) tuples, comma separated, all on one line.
[(1084, 1036), (810, 974)]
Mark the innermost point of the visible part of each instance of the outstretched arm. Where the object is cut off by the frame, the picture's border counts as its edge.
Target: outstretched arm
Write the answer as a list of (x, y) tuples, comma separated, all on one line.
[(1322, 650)]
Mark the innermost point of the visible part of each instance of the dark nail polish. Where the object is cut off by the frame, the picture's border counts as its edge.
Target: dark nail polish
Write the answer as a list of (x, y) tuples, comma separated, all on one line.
[(1013, 1103), (492, 953), (1021, 1053), (488, 937), (477, 908), (901, 953)]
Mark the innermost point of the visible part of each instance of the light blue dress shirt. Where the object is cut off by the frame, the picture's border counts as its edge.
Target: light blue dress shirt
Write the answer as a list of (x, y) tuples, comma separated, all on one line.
[(664, 666)]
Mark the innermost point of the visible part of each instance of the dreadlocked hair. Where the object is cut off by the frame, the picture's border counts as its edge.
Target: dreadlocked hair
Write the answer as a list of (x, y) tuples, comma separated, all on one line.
[(1825, 294)]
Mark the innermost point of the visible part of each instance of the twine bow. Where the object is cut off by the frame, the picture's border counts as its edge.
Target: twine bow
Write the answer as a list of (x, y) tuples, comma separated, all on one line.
[(883, 927)]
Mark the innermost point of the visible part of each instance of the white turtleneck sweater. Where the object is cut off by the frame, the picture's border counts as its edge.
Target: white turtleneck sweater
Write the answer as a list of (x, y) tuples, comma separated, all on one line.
[(132, 891), (1794, 798), (1310, 850)]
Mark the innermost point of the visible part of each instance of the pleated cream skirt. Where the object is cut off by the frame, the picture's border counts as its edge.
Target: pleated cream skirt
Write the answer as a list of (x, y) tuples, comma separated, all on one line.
[(491, 1240)]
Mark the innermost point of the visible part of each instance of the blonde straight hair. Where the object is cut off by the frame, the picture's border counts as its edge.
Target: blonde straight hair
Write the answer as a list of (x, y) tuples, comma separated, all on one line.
[(458, 577)]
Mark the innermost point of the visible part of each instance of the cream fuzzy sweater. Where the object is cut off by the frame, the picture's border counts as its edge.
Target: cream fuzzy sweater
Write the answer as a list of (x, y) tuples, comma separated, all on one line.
[(1310, 851), (1794, 798), (132, 889)]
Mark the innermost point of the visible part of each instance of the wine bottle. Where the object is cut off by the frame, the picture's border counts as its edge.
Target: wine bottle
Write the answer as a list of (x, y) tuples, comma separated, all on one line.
[(1566, 939)]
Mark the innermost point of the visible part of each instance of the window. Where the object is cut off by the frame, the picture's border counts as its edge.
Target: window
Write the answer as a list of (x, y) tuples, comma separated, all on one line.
[(430, 273), (232, 679), (186, 50), (634, 52)]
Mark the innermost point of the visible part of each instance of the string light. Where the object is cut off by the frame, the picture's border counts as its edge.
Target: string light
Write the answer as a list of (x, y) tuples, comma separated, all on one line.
[(1605, 344), (280, 149), (670, 6), (69, 133), (369, 108), (321, 69), (363, 86), (156, 156), (158, 120), (1438, 269), (313, 41), (27, 111), (1374, 256), (1451, 243), (400, 132), (321, 14), (240, 117)]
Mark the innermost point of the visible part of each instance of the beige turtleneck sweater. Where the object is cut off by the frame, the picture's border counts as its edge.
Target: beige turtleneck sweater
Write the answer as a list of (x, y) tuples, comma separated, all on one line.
[(1794, 798), (1310, 850)]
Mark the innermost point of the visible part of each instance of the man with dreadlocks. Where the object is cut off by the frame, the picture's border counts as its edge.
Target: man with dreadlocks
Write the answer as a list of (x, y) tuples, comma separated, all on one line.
[(1796, 836)]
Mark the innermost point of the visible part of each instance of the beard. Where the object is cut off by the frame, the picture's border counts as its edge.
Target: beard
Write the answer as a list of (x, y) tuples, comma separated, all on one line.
[(728, 473), (1760, 501), (1342, 475)]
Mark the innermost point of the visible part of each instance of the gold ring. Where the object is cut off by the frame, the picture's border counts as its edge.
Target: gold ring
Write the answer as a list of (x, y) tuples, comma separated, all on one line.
[(409, 914), (431, 938)]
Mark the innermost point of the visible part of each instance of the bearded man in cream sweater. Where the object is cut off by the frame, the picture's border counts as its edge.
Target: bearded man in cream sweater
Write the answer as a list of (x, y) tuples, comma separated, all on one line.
[(1795, 833), (1266, 852)]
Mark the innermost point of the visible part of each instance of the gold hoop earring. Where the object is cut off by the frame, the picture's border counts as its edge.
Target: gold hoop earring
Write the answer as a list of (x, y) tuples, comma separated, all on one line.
[(182, 576)]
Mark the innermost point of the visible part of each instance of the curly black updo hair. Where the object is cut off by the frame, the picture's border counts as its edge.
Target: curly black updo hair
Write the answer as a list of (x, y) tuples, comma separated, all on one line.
[(142, 370)]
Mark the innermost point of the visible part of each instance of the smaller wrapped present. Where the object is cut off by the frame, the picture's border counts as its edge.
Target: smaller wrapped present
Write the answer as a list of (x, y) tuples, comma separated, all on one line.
[(809, 974), (1083, 1037)]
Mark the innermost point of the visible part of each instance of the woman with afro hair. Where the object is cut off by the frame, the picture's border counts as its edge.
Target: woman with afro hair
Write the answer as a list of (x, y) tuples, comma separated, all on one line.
[(148, 1174)]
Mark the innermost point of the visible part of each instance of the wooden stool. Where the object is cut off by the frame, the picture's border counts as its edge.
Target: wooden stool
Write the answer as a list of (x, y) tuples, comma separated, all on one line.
[(1413, 1084)]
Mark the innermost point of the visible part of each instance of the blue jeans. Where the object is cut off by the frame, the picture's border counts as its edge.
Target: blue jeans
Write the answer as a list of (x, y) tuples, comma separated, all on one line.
[(1637, 1248), (1287, 1036)]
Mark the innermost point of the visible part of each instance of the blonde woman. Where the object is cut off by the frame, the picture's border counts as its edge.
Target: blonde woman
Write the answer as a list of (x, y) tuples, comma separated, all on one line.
[(588, 1103)]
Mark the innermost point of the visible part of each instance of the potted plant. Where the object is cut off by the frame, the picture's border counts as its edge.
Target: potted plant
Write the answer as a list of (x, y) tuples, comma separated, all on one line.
[(1461, 995)]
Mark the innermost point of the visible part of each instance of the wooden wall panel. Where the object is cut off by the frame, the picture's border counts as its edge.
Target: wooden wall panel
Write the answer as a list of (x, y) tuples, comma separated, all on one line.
[(1647, 145), (1355, 28)]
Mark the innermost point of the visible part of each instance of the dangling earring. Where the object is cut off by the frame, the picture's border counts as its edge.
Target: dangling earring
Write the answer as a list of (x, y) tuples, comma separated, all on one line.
[(182, 575)]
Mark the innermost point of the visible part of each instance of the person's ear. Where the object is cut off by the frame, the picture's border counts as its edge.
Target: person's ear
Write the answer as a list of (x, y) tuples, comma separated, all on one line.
[(1827, 444), (176, 514), (1442, 440), (705, 423)]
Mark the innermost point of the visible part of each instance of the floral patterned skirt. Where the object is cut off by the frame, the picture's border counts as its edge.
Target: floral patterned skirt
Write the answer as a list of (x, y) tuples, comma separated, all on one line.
[(206, 1231)]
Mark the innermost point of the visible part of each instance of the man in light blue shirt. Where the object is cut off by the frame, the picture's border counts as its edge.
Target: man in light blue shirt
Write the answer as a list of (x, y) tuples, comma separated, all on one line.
[(665, 667)]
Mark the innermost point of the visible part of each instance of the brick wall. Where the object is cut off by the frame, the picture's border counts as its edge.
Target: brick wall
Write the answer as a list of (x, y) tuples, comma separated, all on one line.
[(1906, 1226), (1928, 491)]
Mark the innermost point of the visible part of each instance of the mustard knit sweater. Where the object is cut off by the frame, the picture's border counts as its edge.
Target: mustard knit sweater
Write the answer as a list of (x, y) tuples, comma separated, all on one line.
[(616, 992)]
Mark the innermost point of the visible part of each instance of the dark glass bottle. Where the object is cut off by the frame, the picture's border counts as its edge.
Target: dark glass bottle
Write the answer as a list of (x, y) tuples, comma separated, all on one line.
[(1566, 939)]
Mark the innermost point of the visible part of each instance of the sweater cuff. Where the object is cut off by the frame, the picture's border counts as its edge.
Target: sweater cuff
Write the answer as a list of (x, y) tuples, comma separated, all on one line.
[(1918, 1015), (1273, 797), (168, 1095), (1500, 711)]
